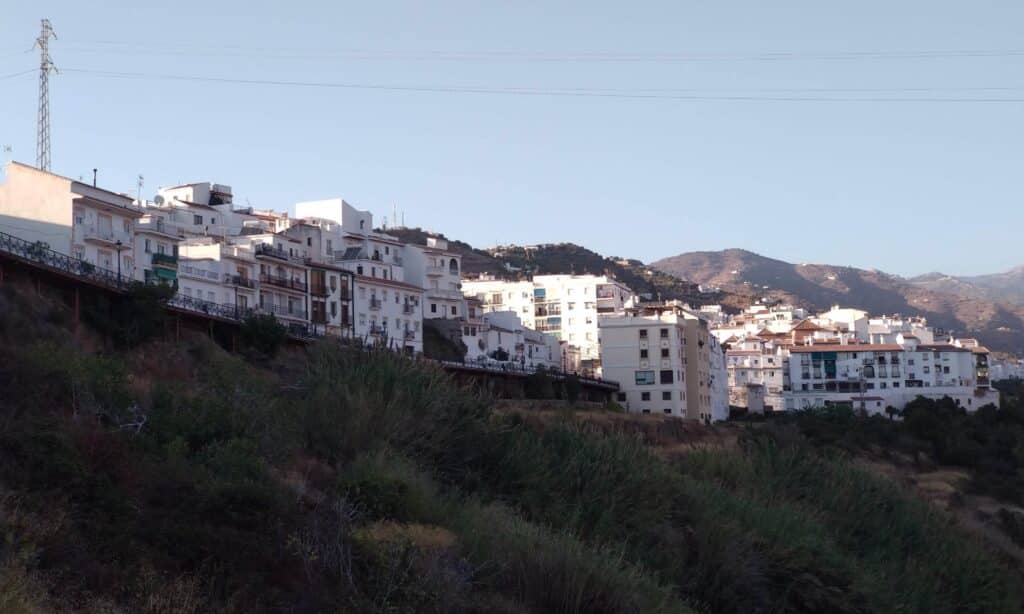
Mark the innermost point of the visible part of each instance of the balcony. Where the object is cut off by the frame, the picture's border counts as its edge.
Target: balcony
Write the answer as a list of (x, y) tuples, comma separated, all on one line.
[(375, 303), (319, 290), (295, 285), (377, 330), (266, 249), (408, 309), (285, 311), (434, 270), (106, 236), (169, 261), (160, 226), (240, 281), (408, 334), (442, 293)]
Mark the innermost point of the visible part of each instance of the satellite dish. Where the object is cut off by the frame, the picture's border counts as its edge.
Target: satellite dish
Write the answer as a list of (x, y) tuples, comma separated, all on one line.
[(158, 199)]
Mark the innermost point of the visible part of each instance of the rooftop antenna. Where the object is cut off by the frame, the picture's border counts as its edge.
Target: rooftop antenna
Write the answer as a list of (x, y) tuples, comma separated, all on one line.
[(138, 188), (46, 66)]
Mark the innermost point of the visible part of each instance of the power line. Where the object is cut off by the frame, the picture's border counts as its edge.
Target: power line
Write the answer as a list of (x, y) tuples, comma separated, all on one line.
[(17, 74), (583, 93), (119, 47)]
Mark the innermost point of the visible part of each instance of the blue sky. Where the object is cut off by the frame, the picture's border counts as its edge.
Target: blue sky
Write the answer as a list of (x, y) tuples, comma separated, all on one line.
[(907, 187)]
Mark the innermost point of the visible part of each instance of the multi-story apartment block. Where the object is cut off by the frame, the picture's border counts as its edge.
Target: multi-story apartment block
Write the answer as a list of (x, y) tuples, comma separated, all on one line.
[(758, 371), (524, 347), (387, 309), (644, 350), (566, 306), (698, 363), (719, 381), (438, 271), (71, 217), (156, 248), (873, 376)]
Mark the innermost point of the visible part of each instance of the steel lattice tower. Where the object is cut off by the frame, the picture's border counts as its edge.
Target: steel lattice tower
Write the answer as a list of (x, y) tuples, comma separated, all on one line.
[(46, 66)]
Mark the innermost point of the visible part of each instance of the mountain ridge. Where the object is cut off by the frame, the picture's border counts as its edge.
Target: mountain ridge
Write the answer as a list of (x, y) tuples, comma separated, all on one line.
[(997, 323)]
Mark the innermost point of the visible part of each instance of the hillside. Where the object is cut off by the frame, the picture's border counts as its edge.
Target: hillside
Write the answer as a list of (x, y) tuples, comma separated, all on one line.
[(818, 286), (176, 477), (515, 262), (1003, 287)]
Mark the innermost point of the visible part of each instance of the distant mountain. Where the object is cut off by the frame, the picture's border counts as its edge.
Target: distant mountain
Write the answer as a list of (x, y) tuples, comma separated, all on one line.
[(957, 307), (1006, 287)]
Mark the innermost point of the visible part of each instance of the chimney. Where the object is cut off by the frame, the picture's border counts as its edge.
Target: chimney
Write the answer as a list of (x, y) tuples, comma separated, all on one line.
[(94, 178)]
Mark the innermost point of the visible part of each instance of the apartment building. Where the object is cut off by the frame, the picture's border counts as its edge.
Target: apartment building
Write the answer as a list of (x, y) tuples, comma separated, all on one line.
[(758, 373), (719, 381), (645, 352), (387, 309), (873, 376), (698, 364), (566, 306), (438, 271), (509, 338), (94, 225), (156, 248)]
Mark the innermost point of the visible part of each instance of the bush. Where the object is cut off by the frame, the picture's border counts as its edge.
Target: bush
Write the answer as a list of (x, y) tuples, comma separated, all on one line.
[(263, 333)]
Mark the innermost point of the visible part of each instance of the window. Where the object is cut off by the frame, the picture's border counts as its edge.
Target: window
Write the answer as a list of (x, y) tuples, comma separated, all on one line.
[(667, 411), (433, 308), (643, 333), (927, 369), (127, 227), (621, 397), (645, 396), (455, 310), (664, 333), (644, 378), (309, 240), (197, 220), (664, 352), (148, 248), (667, 376), (571, 306), (643, 354), (666, 395)]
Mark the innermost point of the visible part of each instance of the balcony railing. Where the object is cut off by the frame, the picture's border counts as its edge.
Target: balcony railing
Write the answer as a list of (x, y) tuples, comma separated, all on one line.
[(319, 290), (158, 225), (284, 310), (377, 330), (408, 334), (375, 303), (241, 281), (444, 293), (107, 236), (266, 249), (168, 260), (408, 309), (433, 269), (283, 282)]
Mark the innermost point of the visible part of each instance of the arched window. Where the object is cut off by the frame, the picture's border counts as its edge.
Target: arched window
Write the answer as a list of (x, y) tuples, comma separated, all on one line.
[(453, 267)]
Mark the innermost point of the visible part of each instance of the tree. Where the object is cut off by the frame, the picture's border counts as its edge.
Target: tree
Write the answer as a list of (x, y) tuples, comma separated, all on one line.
[(263, 333)]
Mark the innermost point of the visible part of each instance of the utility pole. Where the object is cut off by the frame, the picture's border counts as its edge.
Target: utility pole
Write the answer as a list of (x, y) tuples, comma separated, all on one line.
[(138, 191), (46, 66)]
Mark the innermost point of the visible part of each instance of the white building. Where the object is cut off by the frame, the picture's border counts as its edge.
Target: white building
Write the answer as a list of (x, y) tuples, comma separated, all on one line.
[(439, 272), (719, 381), (645, 352), (387, 308), (566, 306), (70, 217), (871, 377), (524, 346)]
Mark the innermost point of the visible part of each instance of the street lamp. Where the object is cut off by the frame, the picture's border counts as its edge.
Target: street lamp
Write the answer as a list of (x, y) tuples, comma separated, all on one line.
[(118, 246)]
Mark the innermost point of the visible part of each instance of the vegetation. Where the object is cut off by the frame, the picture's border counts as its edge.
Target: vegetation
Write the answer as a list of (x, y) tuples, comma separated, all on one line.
[(989, 443), (439, 346), (181, 478), (263, 333)]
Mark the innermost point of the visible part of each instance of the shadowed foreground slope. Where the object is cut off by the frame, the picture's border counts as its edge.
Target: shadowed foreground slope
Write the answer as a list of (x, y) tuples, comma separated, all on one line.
[(178, 478)]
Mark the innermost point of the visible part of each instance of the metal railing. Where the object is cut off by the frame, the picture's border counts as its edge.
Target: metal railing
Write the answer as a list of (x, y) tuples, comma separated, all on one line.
[(108, 236), (283, 282), (319, 290), (266, 249), (408, 309), (158, 225), (220, 310), (165, 259), (238, 280), (375, 303), (284, 310), (41, 254)]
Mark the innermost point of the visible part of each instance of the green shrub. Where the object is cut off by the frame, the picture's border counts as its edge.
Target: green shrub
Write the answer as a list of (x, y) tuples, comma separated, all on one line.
[(263, 333)]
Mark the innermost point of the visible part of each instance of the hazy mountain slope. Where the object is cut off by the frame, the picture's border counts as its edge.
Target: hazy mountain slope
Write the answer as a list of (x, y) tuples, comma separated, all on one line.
[(818, 286), (1007, 286)]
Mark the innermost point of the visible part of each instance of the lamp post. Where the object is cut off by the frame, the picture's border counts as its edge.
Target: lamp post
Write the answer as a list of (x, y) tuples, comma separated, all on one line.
[(119, 245)]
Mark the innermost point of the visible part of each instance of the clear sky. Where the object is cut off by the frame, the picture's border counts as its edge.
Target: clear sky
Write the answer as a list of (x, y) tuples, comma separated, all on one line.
[(713, 159)]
